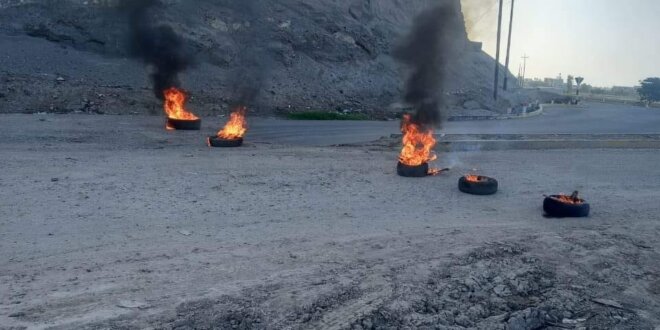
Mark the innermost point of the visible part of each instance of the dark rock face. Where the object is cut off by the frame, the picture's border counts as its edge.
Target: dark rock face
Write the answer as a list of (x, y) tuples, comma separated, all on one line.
[(314, 54)]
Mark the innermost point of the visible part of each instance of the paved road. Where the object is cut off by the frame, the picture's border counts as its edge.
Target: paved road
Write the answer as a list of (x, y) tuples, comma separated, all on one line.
[(592, 118)]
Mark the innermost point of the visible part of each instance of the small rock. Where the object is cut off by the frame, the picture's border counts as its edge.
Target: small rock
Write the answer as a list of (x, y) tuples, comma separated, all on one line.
[(526, 319), (608, 302), (476, 312), (498, 318), (60, 79), (501, 290), (133, 304), (17, 314), (463, 321), (471, 105), (185, 232), (54, 179)]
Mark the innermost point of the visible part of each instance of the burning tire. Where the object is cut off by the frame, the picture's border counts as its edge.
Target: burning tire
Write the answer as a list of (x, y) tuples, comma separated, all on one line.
[(184, 125), (477, 185), (178, 117), (217, 142), (231, 135), (562, 206), (419, 171)]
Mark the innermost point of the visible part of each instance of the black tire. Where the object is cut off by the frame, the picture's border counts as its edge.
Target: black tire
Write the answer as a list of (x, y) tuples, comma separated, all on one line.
[(557, 209), (485, 186), (185, 125), (412, 171), (217, 142)]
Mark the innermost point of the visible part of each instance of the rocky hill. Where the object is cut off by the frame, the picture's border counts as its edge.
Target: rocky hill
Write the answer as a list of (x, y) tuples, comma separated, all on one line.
[(66, 55)]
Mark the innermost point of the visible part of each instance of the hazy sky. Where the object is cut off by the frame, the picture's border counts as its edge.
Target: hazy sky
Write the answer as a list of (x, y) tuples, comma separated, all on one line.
[(609, 42)]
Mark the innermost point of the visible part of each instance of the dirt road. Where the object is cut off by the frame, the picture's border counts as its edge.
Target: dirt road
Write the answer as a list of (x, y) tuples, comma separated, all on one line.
[(105, 226)]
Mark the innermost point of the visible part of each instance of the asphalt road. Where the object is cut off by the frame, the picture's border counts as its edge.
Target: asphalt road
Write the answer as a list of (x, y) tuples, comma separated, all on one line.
[(588, 119), (593, 118)]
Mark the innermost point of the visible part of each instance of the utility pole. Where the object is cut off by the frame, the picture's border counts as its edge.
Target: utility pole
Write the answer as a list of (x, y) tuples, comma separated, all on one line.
[(497, 52), (508, 47), (524, 69)]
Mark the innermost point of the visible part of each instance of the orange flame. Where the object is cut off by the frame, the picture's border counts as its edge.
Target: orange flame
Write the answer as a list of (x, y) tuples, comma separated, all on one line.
[(472, 178), (418, 144), (175, 100), (568, 199), (236, 126)]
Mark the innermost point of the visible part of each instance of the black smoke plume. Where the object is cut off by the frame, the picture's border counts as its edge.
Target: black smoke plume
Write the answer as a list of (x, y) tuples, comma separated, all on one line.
[(157, 45), (428, 52)]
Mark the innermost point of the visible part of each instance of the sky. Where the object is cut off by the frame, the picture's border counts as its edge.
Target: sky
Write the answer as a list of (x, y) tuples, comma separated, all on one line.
[(608, 42)]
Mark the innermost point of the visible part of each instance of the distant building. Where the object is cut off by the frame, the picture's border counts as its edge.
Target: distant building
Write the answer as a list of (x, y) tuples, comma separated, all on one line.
[(624, 91), (554, 82), (545, 82)]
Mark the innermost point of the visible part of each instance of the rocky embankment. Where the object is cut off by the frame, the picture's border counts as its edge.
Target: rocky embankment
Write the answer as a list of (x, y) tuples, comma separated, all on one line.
[(68, 56)]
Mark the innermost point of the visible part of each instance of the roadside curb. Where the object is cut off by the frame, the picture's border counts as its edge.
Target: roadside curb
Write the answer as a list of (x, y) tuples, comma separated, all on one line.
[(565, 106), (502, 117), (535, 113), (471, 142), (473, 145)]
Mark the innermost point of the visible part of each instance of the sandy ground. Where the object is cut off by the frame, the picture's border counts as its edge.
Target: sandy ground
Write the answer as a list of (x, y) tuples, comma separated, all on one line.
[(106, 226)]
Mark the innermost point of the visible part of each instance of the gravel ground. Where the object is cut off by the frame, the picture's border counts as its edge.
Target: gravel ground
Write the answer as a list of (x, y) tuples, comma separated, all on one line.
[(103, 226)]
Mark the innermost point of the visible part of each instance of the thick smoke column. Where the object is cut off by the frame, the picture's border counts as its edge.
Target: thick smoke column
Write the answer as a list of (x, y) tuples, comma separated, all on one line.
[(158, 46), (428, 51)]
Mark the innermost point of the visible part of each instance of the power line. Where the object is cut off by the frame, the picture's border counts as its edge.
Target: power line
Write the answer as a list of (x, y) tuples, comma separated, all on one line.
[(508, 47), (497, 52), (524, 69)]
